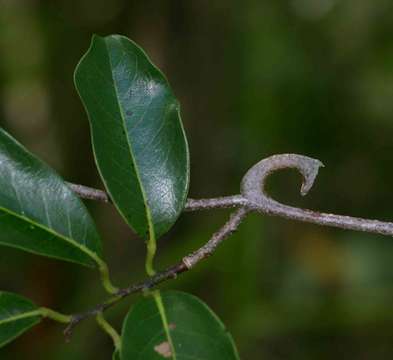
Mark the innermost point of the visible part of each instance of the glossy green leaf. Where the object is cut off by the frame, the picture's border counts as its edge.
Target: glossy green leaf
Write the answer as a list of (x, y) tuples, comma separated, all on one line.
[(137, 135), (38, 212), (17, 315), (192, 328)]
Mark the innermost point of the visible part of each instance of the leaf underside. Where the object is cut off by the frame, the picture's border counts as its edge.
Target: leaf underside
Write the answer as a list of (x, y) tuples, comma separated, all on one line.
[(38, 212), (195, 331), (138, 139), (17, 315)]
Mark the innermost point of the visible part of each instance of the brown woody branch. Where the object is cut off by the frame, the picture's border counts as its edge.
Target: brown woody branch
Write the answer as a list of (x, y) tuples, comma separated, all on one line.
[(170, 273), (253, 198)]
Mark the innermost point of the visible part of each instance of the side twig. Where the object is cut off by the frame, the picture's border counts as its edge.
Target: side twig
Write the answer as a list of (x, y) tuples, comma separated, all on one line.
[(90, 193), (170, 273)]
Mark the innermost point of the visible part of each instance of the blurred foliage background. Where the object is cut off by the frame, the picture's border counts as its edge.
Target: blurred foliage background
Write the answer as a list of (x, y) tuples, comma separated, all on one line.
[(254, 78)]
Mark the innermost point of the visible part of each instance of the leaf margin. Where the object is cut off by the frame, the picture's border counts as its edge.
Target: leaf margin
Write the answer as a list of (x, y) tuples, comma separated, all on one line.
[(96, 257), (196, 300), (35, 314)]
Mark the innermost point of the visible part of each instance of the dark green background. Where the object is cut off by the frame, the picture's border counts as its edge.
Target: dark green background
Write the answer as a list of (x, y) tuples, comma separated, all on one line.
[(254, 78)]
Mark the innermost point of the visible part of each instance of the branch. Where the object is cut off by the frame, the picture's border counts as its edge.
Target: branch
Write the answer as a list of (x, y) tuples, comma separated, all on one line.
[(89, 193), (170, 273), (253, 198), (208, 249)]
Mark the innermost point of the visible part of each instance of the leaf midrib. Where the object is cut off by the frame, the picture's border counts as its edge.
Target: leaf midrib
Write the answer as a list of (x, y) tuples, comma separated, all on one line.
[(164, 319), (128, 141), (33, 313), (70, 241)]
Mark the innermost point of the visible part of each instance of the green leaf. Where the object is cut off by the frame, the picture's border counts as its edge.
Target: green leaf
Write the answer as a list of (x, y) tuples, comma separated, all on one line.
[(191, 327), (138, 138), (39, 213), (17, 315)]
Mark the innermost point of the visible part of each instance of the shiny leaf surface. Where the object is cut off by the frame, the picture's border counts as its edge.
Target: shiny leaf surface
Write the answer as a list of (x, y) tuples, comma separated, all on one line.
[(137, 135), (38, 212), (190, 330), (17, 315)]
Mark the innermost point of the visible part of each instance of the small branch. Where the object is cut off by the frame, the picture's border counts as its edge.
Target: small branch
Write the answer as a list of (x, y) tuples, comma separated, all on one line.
[(215, 203), (253, 198), (149, 283), (170, 273), (89, 193), (208, 249)]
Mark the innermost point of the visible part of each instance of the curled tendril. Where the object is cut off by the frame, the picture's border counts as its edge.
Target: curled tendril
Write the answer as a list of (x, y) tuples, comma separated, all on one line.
[(253, 183), (252, 189)]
